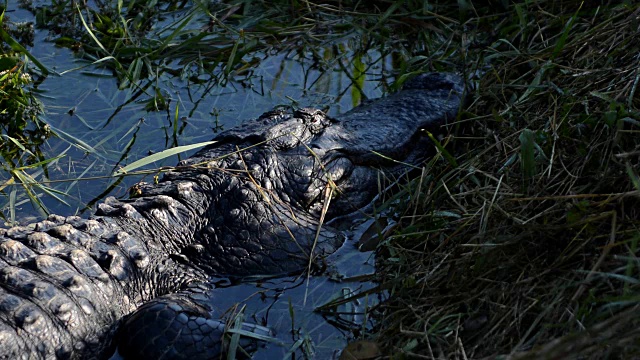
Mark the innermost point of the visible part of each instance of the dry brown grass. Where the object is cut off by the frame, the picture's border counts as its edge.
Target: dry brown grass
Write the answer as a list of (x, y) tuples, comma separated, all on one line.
[(528, 248)]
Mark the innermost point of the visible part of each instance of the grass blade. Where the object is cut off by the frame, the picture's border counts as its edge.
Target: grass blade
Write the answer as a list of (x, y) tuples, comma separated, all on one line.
[(527, 155), (235, 337), (565, 34), (159, 156), (450, 159), (91, 34)]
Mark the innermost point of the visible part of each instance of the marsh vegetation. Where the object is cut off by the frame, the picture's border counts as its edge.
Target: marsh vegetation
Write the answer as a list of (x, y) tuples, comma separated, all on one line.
[(519, 239)]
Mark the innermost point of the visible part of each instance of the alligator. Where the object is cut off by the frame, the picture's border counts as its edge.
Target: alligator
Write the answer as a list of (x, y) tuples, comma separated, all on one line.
[(134, 276)]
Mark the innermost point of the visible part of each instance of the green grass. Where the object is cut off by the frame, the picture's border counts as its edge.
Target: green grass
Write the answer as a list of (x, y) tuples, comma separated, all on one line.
[(22, 133)]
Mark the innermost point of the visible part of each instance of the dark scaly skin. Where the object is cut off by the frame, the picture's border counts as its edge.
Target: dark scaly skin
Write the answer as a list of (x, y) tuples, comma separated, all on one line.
[(249, 204)]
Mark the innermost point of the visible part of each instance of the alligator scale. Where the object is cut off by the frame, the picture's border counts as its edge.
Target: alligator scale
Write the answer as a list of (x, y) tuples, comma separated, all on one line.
[(133, 277)]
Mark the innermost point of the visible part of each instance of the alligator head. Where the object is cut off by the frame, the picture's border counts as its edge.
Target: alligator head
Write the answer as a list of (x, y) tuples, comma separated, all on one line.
[(252, 203)]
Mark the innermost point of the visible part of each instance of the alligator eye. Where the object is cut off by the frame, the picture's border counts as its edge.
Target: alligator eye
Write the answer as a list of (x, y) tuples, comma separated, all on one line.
[(309, 115)]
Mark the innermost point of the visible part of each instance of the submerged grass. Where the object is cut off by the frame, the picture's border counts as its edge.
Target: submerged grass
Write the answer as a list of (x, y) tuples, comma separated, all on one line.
[(139, 41), (538, 258)]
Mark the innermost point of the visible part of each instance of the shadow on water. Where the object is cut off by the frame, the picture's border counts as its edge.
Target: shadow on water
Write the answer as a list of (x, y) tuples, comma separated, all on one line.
[(302, 311), (101, 127)]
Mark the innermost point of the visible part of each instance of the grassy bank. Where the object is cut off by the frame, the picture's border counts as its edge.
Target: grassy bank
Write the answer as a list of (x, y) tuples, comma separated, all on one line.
[(526, 246)]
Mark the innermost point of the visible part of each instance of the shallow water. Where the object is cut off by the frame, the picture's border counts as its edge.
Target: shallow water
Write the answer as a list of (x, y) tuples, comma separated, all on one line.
[(101, 128), (288, 307)]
